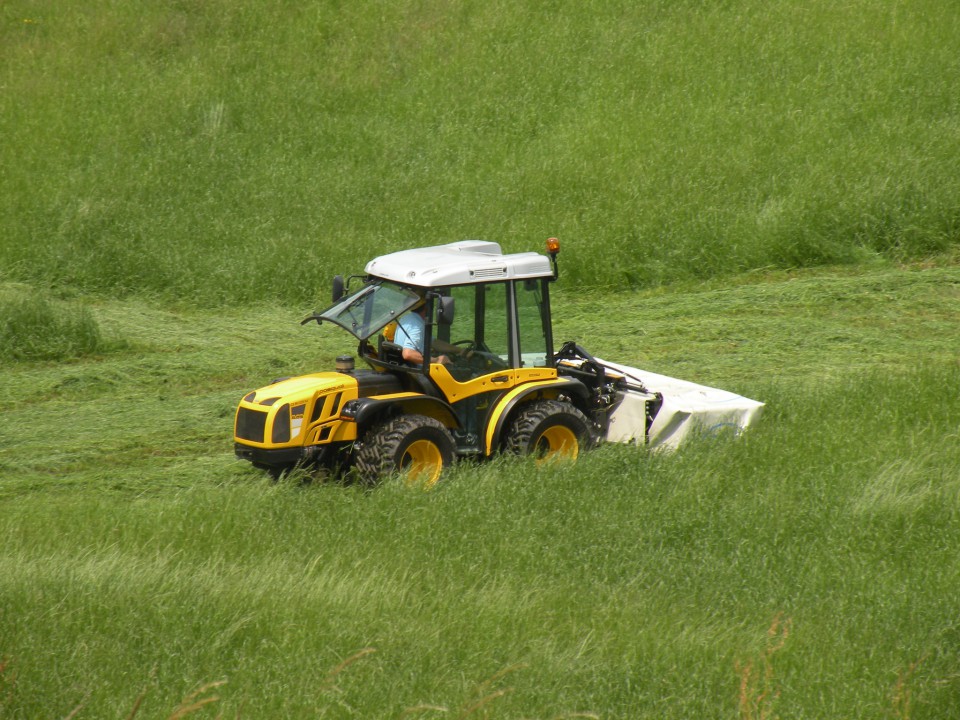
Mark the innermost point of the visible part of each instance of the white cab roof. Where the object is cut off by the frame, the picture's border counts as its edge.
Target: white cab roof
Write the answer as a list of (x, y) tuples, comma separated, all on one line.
[(459, 263)]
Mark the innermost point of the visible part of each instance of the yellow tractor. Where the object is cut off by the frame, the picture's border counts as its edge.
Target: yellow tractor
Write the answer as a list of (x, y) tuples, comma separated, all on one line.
[(484, 380), (459, 346)]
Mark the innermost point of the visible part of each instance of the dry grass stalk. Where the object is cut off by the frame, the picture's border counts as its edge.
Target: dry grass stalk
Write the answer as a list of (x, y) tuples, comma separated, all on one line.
[(482, 702), (73, 713), (329, 682), (143, 694), (137, 703), (758, 690), (8, 680), (190, 703), (483, 690), (422, 708), (902, 692)]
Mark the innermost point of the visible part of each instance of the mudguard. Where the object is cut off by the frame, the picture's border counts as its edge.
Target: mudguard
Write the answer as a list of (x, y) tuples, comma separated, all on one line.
[(366, 411), (552, 388)]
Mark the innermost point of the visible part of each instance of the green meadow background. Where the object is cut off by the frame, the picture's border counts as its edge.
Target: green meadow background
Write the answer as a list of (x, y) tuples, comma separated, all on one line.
[(225, 152), (760, 196)]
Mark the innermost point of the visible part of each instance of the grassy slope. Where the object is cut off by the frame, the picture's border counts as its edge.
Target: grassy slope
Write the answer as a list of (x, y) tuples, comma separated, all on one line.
[(227, 152), (222, 153), (635, 586)]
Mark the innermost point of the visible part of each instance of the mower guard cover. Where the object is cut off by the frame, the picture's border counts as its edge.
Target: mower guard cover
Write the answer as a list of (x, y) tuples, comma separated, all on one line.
[(687, 408)]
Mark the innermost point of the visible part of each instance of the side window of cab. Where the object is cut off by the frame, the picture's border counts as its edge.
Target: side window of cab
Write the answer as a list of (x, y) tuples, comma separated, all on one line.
[(533, 323), (480, 319), (481, 325)]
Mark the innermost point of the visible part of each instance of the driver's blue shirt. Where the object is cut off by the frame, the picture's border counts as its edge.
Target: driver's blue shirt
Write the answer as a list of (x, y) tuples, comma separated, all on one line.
[(410, 331)]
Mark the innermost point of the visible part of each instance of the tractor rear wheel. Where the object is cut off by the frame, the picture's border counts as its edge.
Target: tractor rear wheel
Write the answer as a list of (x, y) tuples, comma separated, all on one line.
[(418, 446), (550, 430)]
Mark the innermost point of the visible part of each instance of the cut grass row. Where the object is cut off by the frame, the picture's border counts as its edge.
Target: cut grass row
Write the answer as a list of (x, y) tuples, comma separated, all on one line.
[(183, 370), (137, 554)]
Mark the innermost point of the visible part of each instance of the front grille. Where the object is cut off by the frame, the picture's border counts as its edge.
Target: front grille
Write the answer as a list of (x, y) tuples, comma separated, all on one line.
[(250, 425)]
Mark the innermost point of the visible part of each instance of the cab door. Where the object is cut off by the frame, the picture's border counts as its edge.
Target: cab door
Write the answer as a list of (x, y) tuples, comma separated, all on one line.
[(472, 383), (506, 327)]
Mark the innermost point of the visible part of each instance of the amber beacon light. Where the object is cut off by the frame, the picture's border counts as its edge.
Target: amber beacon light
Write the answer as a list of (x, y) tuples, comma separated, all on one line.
[(553, 247)]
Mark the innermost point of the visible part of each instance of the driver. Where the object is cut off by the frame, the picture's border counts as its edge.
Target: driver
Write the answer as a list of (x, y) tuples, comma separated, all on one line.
[(410, 330)]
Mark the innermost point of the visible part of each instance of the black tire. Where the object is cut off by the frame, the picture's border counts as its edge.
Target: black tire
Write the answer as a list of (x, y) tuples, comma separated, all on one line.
[(417, 445), (549, 429)]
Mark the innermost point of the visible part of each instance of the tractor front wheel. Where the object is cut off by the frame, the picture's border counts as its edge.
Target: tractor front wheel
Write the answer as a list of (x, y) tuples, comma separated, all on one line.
[(550, 430), (417, 446)]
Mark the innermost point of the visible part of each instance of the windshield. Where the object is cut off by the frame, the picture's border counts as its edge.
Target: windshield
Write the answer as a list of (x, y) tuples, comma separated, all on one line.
[(371, 308)]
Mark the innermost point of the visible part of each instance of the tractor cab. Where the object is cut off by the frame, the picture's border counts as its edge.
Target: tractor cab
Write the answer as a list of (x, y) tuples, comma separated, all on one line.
[(481, 329)]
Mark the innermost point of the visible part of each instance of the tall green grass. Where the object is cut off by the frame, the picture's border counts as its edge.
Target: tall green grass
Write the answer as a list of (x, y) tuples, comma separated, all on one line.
[(32, 328), (638, 586), (223, 152), (238, 154)]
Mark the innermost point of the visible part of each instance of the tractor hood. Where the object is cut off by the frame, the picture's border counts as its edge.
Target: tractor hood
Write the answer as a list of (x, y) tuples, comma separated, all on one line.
[(284, 412), (300, 388)]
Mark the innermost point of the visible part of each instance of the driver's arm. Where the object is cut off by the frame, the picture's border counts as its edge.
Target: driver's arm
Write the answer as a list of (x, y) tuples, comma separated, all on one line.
[(416, 357), (446, 347), (412, 356)]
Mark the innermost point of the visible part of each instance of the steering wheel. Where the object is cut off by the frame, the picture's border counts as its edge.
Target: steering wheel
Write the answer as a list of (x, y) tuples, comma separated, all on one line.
[(469, 355), (479, 360)]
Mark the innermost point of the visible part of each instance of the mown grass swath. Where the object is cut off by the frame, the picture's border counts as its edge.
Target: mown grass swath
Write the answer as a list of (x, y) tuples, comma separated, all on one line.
[(638, 585)]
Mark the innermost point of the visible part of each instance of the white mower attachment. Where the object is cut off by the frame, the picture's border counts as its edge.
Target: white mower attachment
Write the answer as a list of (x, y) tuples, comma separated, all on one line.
[(655, 410), (687, 408)]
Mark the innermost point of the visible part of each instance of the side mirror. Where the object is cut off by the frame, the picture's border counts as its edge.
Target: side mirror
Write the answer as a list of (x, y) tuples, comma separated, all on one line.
[(445, 313), (337, 287)]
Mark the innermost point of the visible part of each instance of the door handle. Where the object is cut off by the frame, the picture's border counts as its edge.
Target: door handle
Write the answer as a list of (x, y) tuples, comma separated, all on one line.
[(500, 379)]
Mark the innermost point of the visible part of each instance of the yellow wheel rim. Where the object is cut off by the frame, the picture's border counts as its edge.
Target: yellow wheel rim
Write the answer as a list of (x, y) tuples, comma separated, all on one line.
[(557, 443), (423, 463)]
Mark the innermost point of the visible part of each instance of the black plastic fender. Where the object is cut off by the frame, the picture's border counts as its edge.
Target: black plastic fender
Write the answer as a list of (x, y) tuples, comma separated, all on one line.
[(367, 411)]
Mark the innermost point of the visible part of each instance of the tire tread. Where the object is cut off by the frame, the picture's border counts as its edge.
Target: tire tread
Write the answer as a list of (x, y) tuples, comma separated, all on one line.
[(530, 419), (376, 455)]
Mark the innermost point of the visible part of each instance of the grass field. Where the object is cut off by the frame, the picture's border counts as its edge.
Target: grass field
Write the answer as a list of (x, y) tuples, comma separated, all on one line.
[(756, 196), (805, 570), (225, 152)]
